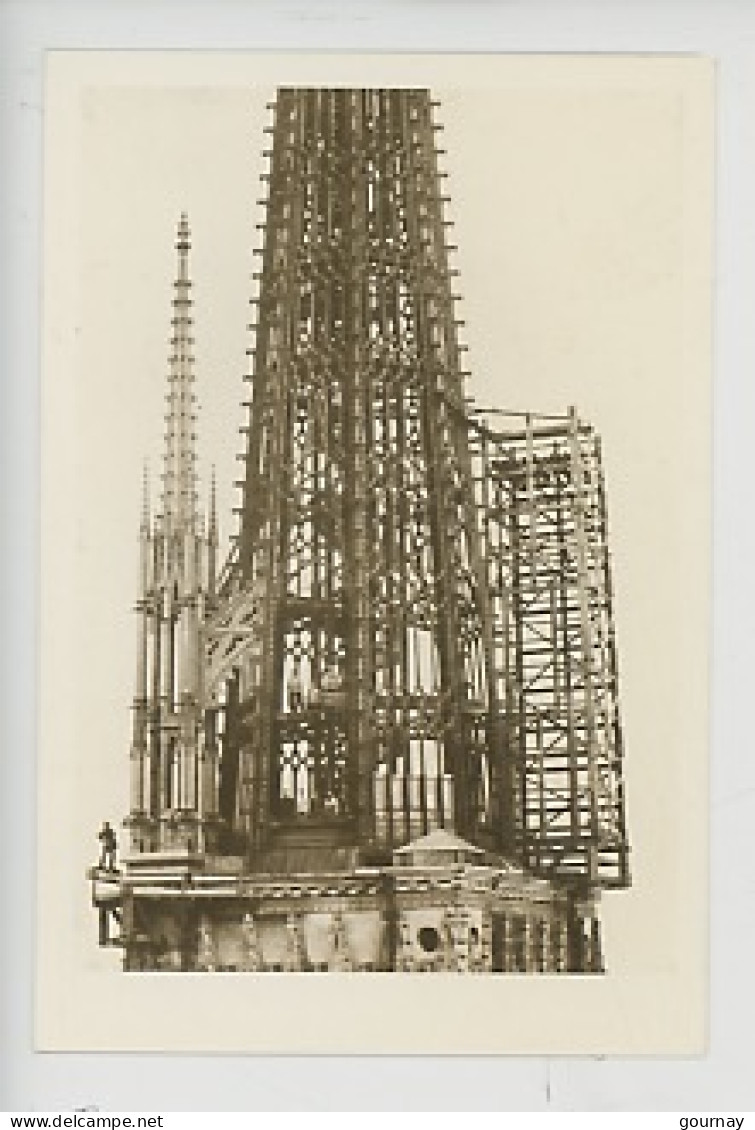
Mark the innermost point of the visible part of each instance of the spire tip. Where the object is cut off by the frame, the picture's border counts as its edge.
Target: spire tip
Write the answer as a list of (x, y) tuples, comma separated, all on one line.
[(145, 497), (179, 477), (213, 516)]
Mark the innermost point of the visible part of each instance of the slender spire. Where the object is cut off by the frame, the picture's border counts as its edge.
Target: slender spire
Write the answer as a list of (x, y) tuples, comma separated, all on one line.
[(212, 537), (179, 511), (213, 518), (145, 499)]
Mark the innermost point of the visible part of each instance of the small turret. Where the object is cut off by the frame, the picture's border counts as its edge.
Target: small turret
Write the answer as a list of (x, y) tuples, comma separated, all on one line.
[(177, 560)]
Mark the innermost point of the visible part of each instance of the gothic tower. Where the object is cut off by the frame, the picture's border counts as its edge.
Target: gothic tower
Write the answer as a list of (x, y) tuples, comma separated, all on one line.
[(173, 791)]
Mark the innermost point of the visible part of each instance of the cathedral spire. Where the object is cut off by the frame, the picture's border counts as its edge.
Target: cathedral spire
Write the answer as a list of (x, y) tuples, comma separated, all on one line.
[(179, 511), (212, 537), (145, 523), (213, 516)]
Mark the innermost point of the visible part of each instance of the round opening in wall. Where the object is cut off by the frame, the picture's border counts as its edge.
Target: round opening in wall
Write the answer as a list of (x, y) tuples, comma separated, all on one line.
[(429, 938)]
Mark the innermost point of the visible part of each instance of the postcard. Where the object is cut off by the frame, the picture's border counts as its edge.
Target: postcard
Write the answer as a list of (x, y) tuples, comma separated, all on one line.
[(375, 553)]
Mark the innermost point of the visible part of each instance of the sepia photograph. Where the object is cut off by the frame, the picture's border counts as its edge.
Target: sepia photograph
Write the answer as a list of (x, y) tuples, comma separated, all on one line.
[(375, 553)]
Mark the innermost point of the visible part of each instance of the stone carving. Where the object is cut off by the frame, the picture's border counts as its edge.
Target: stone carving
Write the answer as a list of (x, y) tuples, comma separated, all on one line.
[(456, 931), (206, 955), (403, 949), (293, 958), (251, 949), (340, 949)]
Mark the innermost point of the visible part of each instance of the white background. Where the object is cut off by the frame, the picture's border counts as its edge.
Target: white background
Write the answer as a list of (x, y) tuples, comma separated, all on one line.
[(721, 1081)]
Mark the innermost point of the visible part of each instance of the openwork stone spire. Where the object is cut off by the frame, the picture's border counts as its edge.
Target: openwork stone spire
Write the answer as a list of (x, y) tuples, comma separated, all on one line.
[(179, 510), (430, 593)]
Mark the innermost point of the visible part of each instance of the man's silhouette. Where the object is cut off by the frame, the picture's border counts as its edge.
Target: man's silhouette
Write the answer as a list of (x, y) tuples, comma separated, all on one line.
[(108, 849)]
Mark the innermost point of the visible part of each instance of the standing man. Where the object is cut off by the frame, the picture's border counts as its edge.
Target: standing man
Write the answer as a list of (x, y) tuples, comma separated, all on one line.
[(108, 849)]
